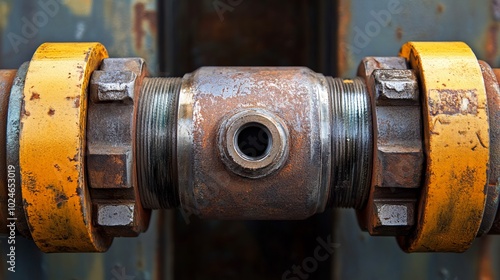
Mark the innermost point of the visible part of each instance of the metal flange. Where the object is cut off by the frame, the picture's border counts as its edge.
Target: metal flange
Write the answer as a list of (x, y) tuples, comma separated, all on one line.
[(456, 133), (52, 148)]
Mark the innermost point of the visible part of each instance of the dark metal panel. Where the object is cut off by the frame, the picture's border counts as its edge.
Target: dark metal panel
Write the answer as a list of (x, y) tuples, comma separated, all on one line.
[(238, 33)]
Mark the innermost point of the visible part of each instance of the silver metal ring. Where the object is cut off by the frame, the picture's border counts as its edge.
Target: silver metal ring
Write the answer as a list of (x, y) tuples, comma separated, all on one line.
[(12, 143), (257, 153)]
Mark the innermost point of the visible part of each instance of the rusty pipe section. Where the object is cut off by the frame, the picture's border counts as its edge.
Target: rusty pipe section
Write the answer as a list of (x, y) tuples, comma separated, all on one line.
[(254, 143), (268, 143)]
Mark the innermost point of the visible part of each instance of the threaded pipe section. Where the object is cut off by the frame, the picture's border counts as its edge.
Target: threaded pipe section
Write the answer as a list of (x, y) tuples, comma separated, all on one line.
[(156, 142), (352, 142)]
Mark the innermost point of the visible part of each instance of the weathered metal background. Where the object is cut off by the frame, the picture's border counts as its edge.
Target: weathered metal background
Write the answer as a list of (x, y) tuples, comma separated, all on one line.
[(379, 28), (126, 27), (176, 37)]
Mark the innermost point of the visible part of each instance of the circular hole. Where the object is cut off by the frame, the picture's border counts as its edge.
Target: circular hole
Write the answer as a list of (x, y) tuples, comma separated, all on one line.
[(253, 141)]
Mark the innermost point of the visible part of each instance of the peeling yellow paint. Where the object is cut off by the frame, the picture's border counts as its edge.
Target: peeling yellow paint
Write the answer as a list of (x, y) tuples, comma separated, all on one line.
[(79, 7)]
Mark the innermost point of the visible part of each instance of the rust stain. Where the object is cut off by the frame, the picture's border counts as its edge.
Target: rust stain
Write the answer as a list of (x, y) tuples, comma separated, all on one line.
[(485, 264), (76, 103), (141, 16), (491, 45), (35, 95), (61, 199), (51, 112), (399, 33), (440, 8), (344, 18), (453, 102)]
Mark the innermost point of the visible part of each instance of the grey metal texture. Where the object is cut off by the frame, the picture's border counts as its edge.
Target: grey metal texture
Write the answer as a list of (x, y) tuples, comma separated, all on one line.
[(352, 142), (156, 142), (12, 143)]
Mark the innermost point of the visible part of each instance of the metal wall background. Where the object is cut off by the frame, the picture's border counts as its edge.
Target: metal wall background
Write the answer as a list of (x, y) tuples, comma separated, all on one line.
[(473, 22), (176, 37)]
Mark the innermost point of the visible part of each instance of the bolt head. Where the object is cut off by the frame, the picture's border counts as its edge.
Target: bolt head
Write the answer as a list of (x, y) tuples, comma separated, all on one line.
[(106, 86), (395, 87), (393, 216), (114, 215)]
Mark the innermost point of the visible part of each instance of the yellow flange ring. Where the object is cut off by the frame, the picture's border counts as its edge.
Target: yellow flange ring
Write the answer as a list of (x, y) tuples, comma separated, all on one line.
[(456, 133), (52, 148)]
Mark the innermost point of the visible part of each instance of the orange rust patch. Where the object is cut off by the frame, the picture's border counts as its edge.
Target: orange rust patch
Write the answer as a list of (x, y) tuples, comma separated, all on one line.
[(35, 96), (344, 19), (141, 16), (399, 33), (491, 45), (440, 8)]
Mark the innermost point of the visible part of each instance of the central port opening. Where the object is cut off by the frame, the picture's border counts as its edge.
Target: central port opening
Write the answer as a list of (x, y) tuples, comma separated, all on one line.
[(253, 141)]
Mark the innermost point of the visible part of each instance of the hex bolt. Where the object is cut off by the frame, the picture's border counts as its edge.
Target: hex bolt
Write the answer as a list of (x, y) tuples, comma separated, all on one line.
[(395, 87), (108, 86)]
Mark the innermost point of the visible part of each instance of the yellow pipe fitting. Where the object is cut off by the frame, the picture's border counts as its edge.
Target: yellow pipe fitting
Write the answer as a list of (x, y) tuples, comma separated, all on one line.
[(52, 148), (456, 132)]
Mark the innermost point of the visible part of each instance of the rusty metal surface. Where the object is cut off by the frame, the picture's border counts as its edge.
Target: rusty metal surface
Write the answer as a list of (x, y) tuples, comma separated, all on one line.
[(493, 101), (398, 162), (493, 188), (380, 28), (111, 153), (362, 249), (12, 145), (294, 95), (127, 28), (6, 81)]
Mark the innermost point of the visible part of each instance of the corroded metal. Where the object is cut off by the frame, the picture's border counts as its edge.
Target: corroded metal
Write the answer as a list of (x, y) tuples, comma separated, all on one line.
[(12, 145), (253, 143), (398, 159), (493, 188), (494, 111), (296, 96), (111, 157)]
